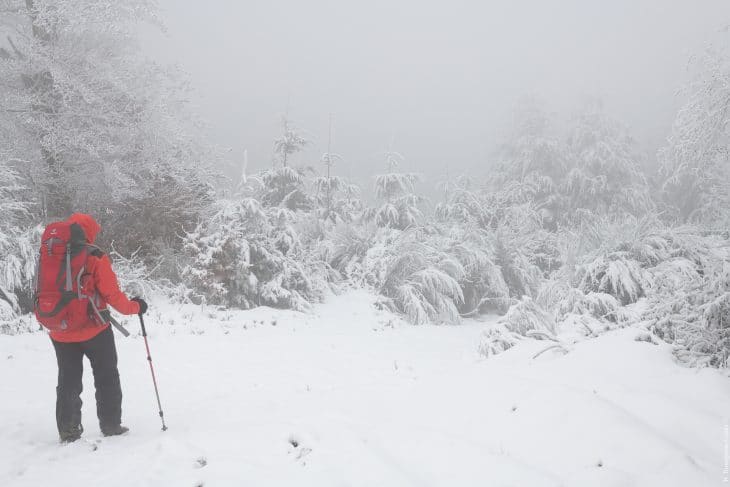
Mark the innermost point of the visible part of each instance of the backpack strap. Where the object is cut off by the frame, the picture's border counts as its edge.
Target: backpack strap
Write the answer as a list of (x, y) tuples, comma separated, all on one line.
[(37, 275), (69, 285), (78, 281), (95, 251)]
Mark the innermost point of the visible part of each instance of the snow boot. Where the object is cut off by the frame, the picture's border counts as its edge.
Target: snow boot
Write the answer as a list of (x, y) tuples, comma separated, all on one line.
[(115, 430), (71, 434)]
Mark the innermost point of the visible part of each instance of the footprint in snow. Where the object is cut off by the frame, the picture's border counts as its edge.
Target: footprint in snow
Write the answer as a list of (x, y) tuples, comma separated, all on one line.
[(200, 462), (301, 450)]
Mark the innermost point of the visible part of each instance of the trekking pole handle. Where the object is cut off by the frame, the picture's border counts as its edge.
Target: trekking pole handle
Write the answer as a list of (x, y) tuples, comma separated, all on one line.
[(141, 322)]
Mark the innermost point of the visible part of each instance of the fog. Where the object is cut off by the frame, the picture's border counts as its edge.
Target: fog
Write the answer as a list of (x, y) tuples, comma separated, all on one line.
[(436, 79)]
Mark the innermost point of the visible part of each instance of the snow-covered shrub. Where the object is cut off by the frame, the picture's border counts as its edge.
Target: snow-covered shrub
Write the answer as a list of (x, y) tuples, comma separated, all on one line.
[(496, 340), (707, 250), (483, 284), (524, 250), (614, 255), (526, 316), (338, 201), (505, 259), (347, 247), (18, 247), (285, 187), (642, 239), (399, 208), (17, 271), (694, 313), (246, 256), (429, 294), (166, 201), (682, 272), (521, 276), (415, 276), (673, 275), (612, 275), (716, 323), (464, 205), (600, 305), (421, 281), (137, 278), (564, 300), (433, 273), (399, 205)]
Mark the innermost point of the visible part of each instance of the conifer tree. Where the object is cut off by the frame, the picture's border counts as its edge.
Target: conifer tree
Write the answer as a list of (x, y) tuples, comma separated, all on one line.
[(395, 190)]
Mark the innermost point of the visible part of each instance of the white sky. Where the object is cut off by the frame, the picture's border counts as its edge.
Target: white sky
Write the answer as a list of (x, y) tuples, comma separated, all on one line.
[(440, 77)]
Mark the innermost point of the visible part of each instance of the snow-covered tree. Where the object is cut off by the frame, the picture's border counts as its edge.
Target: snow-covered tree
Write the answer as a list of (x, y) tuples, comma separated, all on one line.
[(16, 244), (285, 187), (14, 208), (605, 177), (595, 171), (463, 204), (399, 205), (93, 122), (246, 255), (338, 199), (291, 141), (531, 164), (328, 184), (168, 202), (696, 161)]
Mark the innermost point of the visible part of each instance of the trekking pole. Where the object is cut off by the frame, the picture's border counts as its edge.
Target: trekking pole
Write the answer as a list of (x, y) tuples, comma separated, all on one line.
[(152, 369)]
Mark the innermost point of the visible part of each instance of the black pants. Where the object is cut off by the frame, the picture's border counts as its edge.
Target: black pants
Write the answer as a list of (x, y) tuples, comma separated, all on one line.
[(102, 354)]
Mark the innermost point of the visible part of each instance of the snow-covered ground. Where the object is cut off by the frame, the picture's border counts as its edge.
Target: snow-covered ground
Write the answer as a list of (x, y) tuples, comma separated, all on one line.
[(350, 396)]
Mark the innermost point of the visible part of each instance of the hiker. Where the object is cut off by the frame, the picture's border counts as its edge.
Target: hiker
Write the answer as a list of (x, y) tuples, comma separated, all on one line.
[(82, 326)]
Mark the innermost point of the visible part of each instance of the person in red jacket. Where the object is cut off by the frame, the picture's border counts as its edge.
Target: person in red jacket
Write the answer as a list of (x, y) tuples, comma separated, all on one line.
[(95, 341)]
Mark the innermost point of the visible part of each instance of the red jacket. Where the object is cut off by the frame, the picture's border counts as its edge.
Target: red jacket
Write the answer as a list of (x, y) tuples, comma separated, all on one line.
[(99, 271)]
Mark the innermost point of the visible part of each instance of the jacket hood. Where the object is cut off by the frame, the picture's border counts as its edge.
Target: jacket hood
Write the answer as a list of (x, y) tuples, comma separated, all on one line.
[(88, 224)]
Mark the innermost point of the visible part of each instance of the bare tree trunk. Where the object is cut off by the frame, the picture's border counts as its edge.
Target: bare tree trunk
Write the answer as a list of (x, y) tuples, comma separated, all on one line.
[(329, 167)]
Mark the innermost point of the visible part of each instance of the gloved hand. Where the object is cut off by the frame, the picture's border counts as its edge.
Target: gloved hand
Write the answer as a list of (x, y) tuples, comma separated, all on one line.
[(142, 305)]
